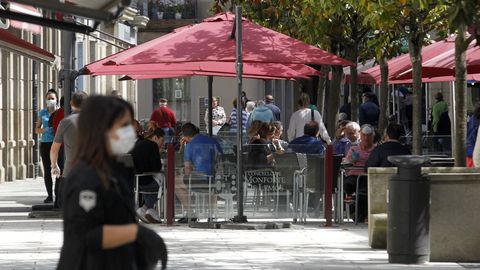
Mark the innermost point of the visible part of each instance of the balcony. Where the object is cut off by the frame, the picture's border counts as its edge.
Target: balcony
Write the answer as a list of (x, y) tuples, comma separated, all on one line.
[(166, 15)]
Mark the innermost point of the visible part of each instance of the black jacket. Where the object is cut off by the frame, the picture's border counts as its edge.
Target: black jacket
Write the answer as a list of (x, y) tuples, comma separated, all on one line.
[(379, 155), (146, 158), (369, 113), (88, 205)]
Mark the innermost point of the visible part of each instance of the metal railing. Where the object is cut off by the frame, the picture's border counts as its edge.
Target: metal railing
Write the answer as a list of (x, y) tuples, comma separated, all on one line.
[(157, 10)]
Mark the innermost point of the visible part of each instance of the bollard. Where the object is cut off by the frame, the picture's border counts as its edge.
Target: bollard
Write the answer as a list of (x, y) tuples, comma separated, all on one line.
[(408, 213), (328, 185), (170, 184)]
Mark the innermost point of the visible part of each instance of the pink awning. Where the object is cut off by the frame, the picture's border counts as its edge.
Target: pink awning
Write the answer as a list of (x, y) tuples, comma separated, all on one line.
[(402, 63), (15, 44)]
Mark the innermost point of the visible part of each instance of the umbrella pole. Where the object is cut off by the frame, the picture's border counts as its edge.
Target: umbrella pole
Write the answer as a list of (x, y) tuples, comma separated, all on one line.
[(238, 39), (210, 114)]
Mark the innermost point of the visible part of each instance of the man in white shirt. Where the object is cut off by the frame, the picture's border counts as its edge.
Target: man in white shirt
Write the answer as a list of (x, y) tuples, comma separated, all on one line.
[(303, 116)]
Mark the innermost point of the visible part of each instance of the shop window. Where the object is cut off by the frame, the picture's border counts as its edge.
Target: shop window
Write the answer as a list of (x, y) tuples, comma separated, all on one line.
[(177, 91)]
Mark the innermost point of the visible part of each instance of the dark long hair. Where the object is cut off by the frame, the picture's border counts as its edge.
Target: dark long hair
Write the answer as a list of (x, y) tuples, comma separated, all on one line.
[(98, 115)]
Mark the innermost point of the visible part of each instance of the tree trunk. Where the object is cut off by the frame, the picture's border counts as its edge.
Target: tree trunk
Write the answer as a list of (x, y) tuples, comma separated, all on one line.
[(460, 99), (334, 99), (382, 122), (322, 83), (353, 57), (415, 51)]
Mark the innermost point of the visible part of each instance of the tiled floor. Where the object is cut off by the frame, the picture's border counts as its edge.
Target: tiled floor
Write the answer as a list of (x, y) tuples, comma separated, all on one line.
[(35, 243)]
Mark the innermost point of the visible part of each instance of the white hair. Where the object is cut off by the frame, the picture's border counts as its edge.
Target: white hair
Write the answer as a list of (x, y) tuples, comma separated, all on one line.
[(250, 106), (353, 125)]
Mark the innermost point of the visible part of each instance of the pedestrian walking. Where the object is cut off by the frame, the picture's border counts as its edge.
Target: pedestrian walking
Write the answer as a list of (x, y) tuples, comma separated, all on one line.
[(45, 131), (66, 136), (472, 130), (304, 115), (275, 110), (233, 118), (165, 119), (100, 227), (218, 116), (441, 125), (261, 113), (369, 111)]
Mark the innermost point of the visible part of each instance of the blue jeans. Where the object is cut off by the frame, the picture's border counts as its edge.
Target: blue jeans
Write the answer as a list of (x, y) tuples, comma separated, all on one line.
[(149, 199), (169, 134)]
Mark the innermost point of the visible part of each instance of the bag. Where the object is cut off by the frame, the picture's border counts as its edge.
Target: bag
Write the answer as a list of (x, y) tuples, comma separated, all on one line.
[(149, 246), (225, 128)]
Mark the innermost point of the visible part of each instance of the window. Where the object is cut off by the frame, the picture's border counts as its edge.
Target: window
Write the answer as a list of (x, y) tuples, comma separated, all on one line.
[(177, 91)]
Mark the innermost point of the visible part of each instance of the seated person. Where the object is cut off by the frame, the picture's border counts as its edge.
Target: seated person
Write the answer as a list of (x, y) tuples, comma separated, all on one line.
[(259, 151), (357, 156), (390, 147), (279, 145), (146, 158), (348, 136), (309, 142), (199, 161)]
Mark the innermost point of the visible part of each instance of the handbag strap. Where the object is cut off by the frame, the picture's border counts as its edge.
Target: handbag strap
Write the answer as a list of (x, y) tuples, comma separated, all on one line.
[(312, 114)]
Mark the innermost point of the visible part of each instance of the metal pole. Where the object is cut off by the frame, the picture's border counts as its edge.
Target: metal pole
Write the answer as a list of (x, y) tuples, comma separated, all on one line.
[(427, 100), (170, 184), (67, 73), (328, 185), (239, 65), (454, 115), (35, 111), (210, 111)]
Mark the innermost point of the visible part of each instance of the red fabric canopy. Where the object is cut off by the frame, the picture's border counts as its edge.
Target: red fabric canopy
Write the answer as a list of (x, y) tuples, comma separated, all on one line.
[(249, 69), (471, 77), (189, 73), (402, 63), (444, 64), (210, 41), (13, 43)]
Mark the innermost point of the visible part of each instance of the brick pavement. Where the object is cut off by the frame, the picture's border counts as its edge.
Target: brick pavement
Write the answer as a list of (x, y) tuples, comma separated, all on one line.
[(35, 243)]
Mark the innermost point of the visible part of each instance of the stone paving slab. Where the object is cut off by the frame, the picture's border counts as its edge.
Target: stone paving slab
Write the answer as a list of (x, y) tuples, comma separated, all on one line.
[(35, 243)]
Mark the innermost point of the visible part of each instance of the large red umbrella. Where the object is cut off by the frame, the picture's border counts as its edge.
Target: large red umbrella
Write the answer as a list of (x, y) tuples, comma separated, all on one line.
[(211, 41), (287, 71), (402, 63)]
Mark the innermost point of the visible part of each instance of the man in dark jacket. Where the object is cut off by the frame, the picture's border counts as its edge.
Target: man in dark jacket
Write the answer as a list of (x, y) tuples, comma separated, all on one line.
[(390, 147), (309, 142), (369, 111)]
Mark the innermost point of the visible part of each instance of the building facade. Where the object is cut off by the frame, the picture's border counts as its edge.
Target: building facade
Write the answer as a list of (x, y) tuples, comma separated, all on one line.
[(24, 82)]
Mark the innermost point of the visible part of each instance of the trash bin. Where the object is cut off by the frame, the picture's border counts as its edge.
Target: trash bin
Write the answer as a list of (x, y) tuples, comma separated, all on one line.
[(408, 199)]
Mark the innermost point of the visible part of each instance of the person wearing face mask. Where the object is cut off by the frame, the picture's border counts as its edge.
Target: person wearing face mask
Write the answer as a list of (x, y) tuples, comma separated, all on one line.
[(100, 225), (45, 131), (146, 158)]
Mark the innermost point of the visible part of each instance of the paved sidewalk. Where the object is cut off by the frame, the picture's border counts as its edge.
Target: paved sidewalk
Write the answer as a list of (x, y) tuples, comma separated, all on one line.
[(35, 243)]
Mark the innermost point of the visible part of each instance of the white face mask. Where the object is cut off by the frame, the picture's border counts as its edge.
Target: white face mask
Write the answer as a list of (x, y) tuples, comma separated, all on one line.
[(51, 103), (125, 142)]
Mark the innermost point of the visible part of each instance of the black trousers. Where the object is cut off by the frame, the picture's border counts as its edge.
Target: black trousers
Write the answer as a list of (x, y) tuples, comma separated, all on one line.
[(45, 154), (350, 186)]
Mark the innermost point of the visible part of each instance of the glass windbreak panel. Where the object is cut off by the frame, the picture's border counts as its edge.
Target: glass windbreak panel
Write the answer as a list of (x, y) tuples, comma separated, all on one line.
[(177, 92), (276, 184)]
